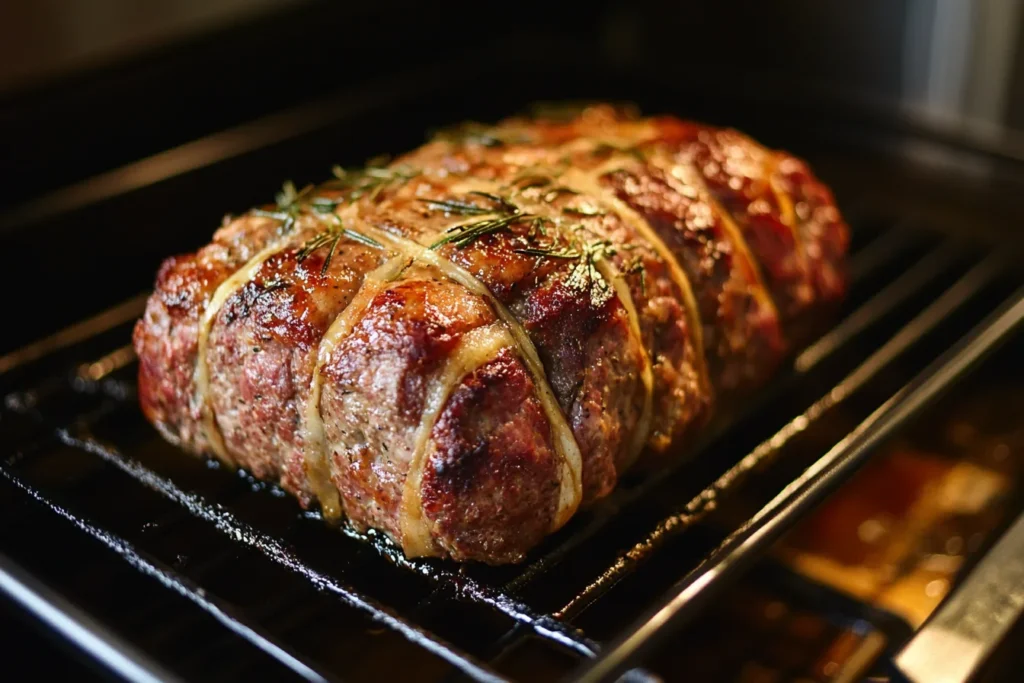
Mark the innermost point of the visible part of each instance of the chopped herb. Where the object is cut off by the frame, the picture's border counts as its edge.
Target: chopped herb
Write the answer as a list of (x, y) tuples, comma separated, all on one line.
[(267, 288), (470, 133)]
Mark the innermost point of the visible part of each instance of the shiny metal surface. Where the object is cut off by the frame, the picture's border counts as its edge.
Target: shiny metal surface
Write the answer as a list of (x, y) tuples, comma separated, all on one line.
[(78, 627), (687, 597), (972, 622)]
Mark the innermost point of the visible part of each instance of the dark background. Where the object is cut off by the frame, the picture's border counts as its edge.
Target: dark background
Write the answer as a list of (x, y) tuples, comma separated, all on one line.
[(88, 85)]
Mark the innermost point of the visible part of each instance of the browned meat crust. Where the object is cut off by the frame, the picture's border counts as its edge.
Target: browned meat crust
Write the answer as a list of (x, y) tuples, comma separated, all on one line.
[(463, 347)]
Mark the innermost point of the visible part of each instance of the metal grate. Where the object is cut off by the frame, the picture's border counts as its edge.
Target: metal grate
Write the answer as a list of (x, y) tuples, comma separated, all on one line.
[(314, 602)]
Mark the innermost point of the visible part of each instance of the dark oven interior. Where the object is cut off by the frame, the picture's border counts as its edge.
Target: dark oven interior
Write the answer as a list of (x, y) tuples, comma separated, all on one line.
[(768, 556)]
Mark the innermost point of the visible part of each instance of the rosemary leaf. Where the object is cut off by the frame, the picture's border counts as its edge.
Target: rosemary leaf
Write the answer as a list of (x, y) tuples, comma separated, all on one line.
[(503, 204), (563, 252), (361, 238), (330, 253), (464, 235), (456, 207), (537, 226)]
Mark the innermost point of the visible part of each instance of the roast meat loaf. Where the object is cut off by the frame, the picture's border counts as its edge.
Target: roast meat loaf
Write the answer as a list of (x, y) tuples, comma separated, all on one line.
[(462, 346)]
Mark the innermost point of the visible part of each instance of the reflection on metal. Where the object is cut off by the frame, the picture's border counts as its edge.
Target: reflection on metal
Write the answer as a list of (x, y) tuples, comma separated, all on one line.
[(78, 332), (866, 654), (879, 252), (954, 298), (112, 362), (218, 147), (973, 620), (888, 299), (863, 262), (44, 604), (93, 637), (958, 72), (191, 156), (689, 594)]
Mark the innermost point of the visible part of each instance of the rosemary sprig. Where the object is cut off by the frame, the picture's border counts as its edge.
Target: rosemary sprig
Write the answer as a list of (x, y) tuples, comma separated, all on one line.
[(331, 236), (288, 198), (586, 277), (353, 184), (504, 206), (369, 181), (504, 214), (289, 206), (584, 274), (464, 235)]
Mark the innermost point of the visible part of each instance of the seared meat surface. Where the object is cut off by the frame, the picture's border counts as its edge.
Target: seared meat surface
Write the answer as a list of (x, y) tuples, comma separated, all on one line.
[(465, 345)]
